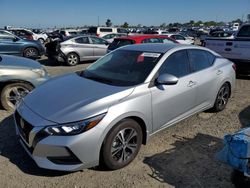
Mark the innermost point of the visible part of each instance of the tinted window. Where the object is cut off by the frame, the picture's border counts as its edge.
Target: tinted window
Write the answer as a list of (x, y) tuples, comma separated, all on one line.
[(82, 40), (120, 42), (105, 30), (96, 40), (120, 30), (176, 64), (92, 30), (244, 31), (123, 67), (168, 41), (200, 59), (152, 40)]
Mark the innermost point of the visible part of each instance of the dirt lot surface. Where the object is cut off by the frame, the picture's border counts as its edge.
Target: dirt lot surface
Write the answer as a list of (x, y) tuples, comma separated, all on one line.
[(180, 156)]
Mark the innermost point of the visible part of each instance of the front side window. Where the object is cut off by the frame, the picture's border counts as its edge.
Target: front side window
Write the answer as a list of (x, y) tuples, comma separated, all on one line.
[(96, 40), (123, 67), (200, 59), (178, 37), (4, 35), (176, 64)]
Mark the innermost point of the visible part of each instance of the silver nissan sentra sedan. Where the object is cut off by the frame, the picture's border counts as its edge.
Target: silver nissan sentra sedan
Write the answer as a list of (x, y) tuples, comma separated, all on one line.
[(103, 114)]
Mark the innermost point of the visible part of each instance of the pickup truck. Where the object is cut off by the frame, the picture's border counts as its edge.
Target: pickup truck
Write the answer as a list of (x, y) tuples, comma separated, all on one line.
[(237, 49)]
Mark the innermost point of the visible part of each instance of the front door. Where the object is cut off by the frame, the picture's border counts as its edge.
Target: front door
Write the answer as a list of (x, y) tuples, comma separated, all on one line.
[(172, 102)]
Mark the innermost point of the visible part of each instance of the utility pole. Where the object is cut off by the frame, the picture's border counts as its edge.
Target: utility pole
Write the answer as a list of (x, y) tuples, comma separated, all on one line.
[(98, 21)]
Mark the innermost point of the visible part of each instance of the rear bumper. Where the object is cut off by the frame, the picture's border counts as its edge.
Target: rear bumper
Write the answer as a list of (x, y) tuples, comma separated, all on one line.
[(242, 66)]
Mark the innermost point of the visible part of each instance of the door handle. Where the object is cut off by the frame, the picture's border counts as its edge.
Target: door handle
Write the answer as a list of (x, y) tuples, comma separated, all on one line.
[(191, 83), (219, 72)]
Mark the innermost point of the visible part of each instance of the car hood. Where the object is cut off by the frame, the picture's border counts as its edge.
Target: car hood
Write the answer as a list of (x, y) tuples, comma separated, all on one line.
[(71, 98), (18, 62)]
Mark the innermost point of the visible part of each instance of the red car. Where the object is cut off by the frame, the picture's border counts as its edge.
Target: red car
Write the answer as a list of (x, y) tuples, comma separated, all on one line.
[(137, 39)]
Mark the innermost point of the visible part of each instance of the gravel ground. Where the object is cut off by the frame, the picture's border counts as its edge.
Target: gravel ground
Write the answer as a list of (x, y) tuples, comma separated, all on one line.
[(180, 156)]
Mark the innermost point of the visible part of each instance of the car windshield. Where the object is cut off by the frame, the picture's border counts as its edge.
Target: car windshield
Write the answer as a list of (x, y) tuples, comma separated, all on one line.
[(123, 67)]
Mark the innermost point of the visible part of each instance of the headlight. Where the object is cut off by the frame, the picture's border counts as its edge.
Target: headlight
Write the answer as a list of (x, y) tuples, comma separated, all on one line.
[(74, 128), (42, 72)]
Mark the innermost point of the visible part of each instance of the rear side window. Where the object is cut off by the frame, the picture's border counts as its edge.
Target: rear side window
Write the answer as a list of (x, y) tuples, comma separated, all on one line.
[(152, 40), (119, 43), (96, 40), (82, 40), (200, 59), (244, 31), (176, 64), (105, 30)]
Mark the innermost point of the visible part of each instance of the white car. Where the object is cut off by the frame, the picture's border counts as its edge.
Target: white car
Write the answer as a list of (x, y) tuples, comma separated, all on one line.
[(110, 37), (179, 38)]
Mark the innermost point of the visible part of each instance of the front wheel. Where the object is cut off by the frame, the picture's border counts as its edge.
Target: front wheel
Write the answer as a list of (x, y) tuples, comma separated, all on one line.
[(13, 93), (222, 98), (122, 144)]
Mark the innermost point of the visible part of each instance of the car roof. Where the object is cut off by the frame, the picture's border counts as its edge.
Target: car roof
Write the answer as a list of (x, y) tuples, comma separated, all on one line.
[(151, 47)]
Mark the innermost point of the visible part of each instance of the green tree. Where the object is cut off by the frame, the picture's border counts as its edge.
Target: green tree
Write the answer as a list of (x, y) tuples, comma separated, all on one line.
[(163, 25), (125, 25), (108, 23)]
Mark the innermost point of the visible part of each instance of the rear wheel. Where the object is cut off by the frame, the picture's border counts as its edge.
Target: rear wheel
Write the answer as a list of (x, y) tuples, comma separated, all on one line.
[(30, 52), (72, 59), (122, 144), (13, 93), (222, 98)]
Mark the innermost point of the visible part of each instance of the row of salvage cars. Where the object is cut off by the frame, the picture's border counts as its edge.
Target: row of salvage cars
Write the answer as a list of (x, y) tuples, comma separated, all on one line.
[(72, 50), (109, 109)]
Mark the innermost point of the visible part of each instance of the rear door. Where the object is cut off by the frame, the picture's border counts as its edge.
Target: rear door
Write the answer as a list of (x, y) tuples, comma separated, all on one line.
[(100, 46), (172, 102), (205, 76), (83, 47)]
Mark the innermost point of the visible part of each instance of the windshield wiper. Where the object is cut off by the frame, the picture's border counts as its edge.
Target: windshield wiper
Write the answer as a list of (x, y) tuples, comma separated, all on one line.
[(98, 79)]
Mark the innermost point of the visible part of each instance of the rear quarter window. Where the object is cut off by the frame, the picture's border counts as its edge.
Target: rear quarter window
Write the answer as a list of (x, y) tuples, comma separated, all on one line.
[(105, 30)]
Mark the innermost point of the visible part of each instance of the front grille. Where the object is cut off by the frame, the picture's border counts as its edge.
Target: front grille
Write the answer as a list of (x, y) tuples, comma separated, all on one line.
[(23, 126)]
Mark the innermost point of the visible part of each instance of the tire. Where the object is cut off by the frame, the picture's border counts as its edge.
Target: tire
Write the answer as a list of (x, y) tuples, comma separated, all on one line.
[(30, 52), (41, 40), (72, 59), (240, 180), (12, 93), (123, 152), (222, 98)]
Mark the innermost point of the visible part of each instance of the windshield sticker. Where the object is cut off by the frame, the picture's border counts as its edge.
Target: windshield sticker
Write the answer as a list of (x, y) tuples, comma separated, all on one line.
[(146, 54)]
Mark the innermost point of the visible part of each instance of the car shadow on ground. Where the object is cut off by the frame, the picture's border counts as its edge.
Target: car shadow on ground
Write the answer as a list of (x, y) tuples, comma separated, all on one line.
[(190, 163), (54, 63), (242, 77), (11, 149), (244, 117)]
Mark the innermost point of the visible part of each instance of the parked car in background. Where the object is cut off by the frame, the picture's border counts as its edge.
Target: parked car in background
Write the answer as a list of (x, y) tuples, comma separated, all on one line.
[(103, 114), (81, 48), (13, 45), (28, 34), (70, 32), (137, 39), (236, 49), (112, 36), (102, 31), (179, 38), (18, 77)]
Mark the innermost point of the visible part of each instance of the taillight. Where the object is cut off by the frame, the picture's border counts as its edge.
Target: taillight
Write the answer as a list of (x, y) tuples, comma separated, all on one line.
[(97, 35), (234, 67)]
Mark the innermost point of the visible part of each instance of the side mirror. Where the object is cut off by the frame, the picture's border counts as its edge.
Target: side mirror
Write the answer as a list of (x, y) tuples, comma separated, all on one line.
[(15, 39), (167, 79)]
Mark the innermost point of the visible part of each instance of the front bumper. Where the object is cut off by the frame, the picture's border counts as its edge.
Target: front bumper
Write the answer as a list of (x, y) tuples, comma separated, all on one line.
[(65, 153)]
